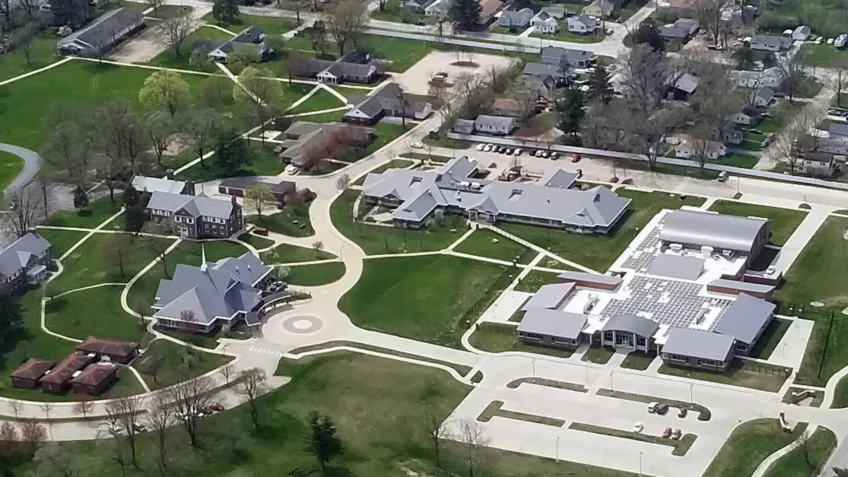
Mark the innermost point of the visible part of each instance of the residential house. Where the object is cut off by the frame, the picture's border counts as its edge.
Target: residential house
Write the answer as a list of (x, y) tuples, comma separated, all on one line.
[(541, 87), (437, 8), (250, 39), (196, 217), (112, 351), (544, 23), (700, 148), (417, 6), (564, 57), (463, 126), (557, 12), (24, 263), (306, 144), (211, 296), (770, 77), (508, 107), (731, 135), (749, 116), (58, 380), (582, 24), (494, 124), (488, 8), (154, 184), (837, 130), (600, 9), (818, 164), (355, 67), (834, 145), (683, 87), (416, 195), (681, 30), (561, 75), (95, 379), (29, 374), (283, 191), (770, 43), (801, 33), (515, 18), (99, 36), (762, 97), (386, 101)]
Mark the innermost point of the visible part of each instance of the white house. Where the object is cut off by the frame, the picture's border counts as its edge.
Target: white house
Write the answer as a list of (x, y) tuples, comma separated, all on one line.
[(820, 164), (771, 77), (515, 18), (801, 33), (582, 24), (494, 124), (696, 147), (544, 23)]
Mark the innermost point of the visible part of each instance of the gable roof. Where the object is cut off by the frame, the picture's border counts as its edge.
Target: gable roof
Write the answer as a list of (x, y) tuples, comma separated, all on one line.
[(632, 324), (726, 232), (108, 347), (498, 122), (559, 178), (32, 369), (154, 184), (838, 129), (386, 98), (552, 323), (765, 93), (549, 296), (16, 256), (585, 20), (698, 344), (585, 277), (101, 32), (745, 318), (518, 16), (195, 205)]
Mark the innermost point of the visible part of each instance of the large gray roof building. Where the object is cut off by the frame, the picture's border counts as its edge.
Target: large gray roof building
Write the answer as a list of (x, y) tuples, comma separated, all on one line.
[(722, 232), (196, 216), (24, 261), (418, 194), (746, 319), (552, 323), (102, 34), (697, 344)]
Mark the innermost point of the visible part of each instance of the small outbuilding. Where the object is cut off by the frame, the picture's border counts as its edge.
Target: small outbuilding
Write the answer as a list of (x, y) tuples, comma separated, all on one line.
[(95, 379), (108, 350)]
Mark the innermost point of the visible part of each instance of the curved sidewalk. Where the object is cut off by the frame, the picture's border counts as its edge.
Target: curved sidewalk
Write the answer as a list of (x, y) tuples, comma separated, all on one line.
[(32, 163)]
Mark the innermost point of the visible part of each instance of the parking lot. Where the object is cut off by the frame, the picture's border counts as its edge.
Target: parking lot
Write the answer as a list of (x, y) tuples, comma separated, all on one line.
[(416, 79)]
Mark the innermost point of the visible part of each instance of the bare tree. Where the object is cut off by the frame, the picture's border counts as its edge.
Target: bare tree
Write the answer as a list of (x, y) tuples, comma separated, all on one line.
[(259, 196), (473, 440), (159, 129), (160, 418), (346, 21), (113, 448), (126, 411), (188, 398), (46, 407), (794, 76), (155, 4), (202, 126), (33, 434), (250, 386), (16, 407), (795, 139), (713, 101), (839, 80), (51, 459), (436, 431), (317, 246), (8, 433), (343, 182), (155, 244), (173, 31), (118, 249), (24, 210), (228, 371), (296, 6), (84, 406), (645, 76), (708, 13), (23, 37)]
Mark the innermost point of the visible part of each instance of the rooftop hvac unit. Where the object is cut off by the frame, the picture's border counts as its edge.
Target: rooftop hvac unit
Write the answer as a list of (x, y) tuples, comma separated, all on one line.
[(676, 247), (593, 300), (728, 253), (76, 373), (702, 314), (706, 251)]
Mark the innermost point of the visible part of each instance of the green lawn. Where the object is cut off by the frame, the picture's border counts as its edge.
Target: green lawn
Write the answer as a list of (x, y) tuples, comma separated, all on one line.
[(534, 280), (749, 445), (782, 222), (89, 264), (95, 312), (376, 240), (564, 35), (269, 25), (739, 160), (428, 298), (256, 241), (60, 240), (498, 338), (598, 354), (599, 252), (747, 374), (638, 360), (393, 11), (840, 395), (168, 59), (393, 164), (771, 337), (10, 166), (818, 273), (315, 274), (400, 53), (42, 53), (98, 211), (293, 221), (285, 253), (805, 463), (486, 243), (262, 162), (177, 363), (321, 100)]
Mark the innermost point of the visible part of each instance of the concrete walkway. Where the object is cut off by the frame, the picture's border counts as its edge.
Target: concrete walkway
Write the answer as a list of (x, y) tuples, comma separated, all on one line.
[(802, 236), (32, 163)]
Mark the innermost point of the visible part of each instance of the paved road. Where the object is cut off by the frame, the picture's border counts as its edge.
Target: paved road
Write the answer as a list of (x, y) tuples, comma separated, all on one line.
[(32, 163)]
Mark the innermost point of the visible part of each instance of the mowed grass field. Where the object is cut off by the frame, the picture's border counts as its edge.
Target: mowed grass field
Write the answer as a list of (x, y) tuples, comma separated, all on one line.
[(422, 298), (782, 222), (749, 444)]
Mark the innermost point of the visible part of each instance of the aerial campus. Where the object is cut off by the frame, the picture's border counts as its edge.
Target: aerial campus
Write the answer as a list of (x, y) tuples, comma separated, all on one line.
[(423, 238)]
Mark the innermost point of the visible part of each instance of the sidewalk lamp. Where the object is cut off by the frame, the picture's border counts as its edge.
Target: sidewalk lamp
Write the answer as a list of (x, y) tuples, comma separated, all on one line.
[(640, 463), (557, 450), (691, 390)]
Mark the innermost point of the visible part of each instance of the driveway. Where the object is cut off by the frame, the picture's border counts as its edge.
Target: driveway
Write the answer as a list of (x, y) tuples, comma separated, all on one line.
[(32, 163)]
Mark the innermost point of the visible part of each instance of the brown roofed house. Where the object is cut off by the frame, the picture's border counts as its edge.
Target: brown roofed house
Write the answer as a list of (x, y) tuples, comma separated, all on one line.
[(94, 379), (116, 351), (29, 374), (57, 381)]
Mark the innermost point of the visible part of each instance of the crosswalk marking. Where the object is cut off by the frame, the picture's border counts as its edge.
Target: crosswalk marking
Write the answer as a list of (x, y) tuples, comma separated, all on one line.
[(266, 351)]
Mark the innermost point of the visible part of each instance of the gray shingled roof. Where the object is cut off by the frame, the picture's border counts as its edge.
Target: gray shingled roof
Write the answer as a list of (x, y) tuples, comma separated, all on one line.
[(101, 32), (16, 256), (552, 323), (676, 266), (157, 184), (543, 69), (765, 93), (698, 344), (726, 232), (584, 19), (559, 178), (386, 98), (631, 323), (745, 318), (549, 296), (195, 205), (837, 129), (497, 121)]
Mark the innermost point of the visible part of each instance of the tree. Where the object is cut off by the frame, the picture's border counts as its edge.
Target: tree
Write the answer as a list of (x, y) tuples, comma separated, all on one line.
[(69, 146), (839, 78), (127, 410), (648, 34), (174, 31), (259, 196), (22, 39), (324, 444), (228, 371), (165, 91), (465, 13), (84, 406), (645, 75), (233, 154), (216, 92), (155, 4), (70, 12), (121, 139), (260, 99), (436, 431), (113, 448), (188, 398), (118, 249), (317, 246), (242, 56), (33, 434), (471, 436), (23, 213), (793, 74), (159, 128), (296, 6), (202, 127), (599, 85), (160, 418), (346, 21), (155, 244), (52, 460), (744, 57), (571, 111), (225, 11), (250, 386), (343, 182), (80, 198), (708, 13), (11, 318), (713, 101), (44, 183)]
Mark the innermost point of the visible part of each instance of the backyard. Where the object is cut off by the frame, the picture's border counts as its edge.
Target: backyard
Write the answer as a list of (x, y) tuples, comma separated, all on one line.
[(315, 274), (293, 220)]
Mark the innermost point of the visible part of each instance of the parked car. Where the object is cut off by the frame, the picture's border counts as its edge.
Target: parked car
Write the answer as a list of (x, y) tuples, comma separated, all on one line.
[(666, 432), (516, 152), (722, 176), (487, 147), (576, 157), (638, 427), (139, 427), (480, 147), (545, 154), (508, 151), (216, 406), (652, 407), (114, 428), (554, 155), (682, 412), (292, 170), (538, 153), (501, 149), (417, 145), (677, 434), (662, 409)]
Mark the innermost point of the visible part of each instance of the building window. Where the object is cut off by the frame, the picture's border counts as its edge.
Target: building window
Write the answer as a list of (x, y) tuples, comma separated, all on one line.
[(608, 335), (640, 341)]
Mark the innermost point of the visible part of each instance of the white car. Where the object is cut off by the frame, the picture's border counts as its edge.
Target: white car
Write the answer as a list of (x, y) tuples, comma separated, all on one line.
[(638, 427), (292, 170), (538, 153), (416, 145), (516, 152), (480, 147), (487, 148)]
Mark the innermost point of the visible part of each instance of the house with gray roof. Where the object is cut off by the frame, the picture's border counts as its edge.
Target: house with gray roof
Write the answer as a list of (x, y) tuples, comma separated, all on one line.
[(561, 75), (99, 36), (762, 97), (417, 6), (745, 321), (549, 296), (389, 100), (515, 18), (771, 43), (355, 67), (500, 125), (197, 216), (681, 30), (463, 126), (837, 129), (24, 263), (416, 195), (251, 39), (211, 296), (698, 349), (566, 57), (160, 184), (725, 234), (582, 24), (545, 327), (546, 22), (682, 87)]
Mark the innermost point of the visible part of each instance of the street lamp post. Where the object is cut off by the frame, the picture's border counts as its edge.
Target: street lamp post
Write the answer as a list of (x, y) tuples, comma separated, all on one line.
[(691, 389), (640, 463), (533, 362), (612, 386), (557, 450)]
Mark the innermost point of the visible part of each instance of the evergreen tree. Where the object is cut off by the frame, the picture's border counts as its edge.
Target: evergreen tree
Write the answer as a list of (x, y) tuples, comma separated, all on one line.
[(134, 218), (648, 33), (11, 316), (571, 111), (324, 444), (233, 153), (80, 198), (225, 11), (599, 85), (465, 13)]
